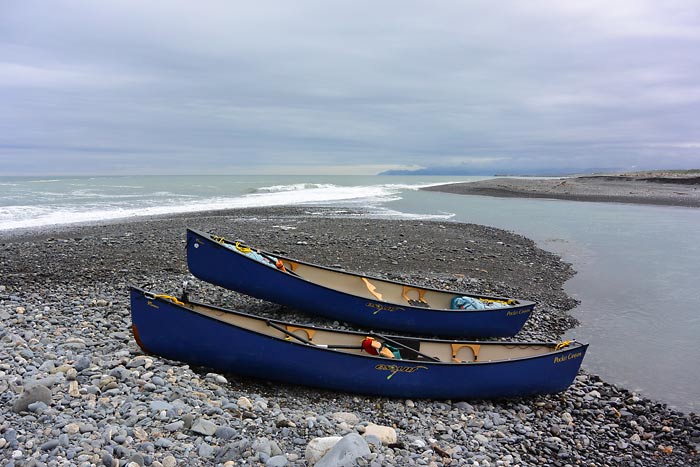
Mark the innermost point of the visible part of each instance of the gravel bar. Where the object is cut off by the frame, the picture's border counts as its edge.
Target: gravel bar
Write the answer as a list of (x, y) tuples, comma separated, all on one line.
[(655, 189), (77, 391)]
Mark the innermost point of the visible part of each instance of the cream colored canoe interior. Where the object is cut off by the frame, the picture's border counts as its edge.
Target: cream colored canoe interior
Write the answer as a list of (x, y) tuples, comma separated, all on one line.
[(376, 289), (415, 349), (369, 288)]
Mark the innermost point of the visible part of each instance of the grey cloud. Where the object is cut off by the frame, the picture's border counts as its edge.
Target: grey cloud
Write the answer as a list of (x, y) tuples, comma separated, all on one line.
[(546, 83)]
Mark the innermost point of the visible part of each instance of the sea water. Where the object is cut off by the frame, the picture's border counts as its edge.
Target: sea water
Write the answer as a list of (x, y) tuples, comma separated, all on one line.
[(28, 202), (637, 266)]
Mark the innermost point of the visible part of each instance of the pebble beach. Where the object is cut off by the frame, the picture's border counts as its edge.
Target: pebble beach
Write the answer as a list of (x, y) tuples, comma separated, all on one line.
[(76, 390)]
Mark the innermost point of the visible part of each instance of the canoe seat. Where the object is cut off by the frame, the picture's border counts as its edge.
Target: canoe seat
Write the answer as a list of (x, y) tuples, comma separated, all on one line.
[(372, 289), (420, 296), (291, 266), (456, 348), (309, 332)]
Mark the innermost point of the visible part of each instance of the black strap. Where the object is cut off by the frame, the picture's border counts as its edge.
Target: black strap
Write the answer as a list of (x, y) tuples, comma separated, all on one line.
[(404, 346), (306, 341)]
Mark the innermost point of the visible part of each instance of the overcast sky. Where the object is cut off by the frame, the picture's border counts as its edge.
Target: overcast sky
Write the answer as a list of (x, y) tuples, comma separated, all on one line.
[(104, 87)]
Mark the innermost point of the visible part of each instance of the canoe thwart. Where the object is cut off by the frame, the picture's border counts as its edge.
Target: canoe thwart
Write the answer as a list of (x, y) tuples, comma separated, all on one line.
[(309, 332), (372, 289), (457, 347), (290, 334), (419, 300)]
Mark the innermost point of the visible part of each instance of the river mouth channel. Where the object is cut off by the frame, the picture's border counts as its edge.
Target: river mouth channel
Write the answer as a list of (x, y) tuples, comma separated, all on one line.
[(636, 280)]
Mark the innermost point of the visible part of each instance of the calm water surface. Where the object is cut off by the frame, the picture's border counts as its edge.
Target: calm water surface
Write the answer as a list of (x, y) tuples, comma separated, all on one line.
[(637, 280)]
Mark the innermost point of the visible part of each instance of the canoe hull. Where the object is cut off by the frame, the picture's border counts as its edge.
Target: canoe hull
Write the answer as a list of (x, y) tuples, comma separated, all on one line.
[(178, 333), (217, 264)]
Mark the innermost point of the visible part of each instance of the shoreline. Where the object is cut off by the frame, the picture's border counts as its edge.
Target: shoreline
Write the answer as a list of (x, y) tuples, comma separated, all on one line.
[(64, 310), (659, 191)]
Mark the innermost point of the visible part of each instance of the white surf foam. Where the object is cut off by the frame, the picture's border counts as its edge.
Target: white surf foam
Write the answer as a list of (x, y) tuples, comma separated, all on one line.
[(293, 187), (89, 204), (25, 216)]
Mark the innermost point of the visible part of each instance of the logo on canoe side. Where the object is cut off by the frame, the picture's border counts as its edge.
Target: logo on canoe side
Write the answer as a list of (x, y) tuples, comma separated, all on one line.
[(571, 356), (393, 369), (379, 307), (517, 312)]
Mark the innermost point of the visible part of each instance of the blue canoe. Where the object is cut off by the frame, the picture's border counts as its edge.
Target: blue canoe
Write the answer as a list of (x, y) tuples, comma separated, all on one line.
[(360, 300), (234, 342)]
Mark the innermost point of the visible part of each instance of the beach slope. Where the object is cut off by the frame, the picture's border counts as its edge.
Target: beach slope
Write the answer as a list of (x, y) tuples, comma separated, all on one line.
[(74, 384)]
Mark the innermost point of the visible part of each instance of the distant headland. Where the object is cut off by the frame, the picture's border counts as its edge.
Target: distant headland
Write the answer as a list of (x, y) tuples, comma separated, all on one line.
[(469, 172)]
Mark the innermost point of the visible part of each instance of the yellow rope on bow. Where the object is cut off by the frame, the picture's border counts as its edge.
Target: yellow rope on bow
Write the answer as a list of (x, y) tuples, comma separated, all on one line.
[(243, 249), (218, 239), (169, 297), (562, 345)]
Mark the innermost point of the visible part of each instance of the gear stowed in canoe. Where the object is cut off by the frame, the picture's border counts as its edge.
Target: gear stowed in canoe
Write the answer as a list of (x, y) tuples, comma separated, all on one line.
[(354, 298), (236, 342)]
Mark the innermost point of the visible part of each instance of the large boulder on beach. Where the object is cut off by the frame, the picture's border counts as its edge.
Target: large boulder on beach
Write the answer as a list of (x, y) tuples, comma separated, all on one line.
[(345, 452), (318, 447), (386, 434), (204, 427), (32, 393)]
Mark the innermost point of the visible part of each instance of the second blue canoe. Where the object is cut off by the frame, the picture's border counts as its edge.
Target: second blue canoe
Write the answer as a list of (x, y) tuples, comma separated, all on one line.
[(354, 298)]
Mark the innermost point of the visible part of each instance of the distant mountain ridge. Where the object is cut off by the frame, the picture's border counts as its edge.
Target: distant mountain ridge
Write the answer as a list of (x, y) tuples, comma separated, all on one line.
[(466, 171)]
